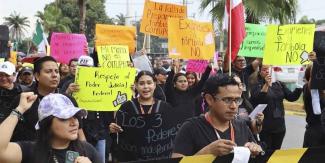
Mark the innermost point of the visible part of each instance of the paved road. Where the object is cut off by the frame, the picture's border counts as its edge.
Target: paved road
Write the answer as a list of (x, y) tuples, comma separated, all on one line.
[(295, 131)]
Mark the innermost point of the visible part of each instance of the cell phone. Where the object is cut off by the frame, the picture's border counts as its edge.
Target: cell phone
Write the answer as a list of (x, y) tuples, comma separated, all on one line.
[(71, 156)]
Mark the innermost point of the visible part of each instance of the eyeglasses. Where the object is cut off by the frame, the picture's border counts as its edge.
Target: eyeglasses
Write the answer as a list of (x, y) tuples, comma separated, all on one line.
[(230, 100)]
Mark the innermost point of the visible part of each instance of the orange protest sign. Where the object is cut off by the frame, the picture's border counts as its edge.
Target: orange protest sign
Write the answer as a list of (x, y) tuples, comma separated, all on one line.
[(155, 16), (116, 35), (189, 39)]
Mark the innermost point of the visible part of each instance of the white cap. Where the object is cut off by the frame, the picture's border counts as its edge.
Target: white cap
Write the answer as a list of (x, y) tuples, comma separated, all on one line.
[(8, 68), (85, 61)]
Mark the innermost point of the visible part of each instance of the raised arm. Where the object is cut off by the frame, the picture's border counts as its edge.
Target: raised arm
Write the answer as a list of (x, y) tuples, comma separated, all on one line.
[(11, 152)]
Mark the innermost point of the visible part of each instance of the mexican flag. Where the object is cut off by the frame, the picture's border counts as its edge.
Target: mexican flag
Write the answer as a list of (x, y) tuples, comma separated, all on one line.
[(39, 39)]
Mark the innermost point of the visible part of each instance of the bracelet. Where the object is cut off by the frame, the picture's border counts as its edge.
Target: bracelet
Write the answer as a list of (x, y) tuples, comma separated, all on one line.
[(18, 114)]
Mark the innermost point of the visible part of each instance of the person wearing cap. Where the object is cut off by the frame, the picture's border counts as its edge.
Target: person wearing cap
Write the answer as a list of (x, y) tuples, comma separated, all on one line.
[(57, 126), (95, 124), (161, 76), (47, 78), (26, 77), (8, 88)]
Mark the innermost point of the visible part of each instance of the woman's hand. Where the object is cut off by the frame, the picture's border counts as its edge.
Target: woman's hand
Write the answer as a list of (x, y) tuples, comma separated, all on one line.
[(114, 128)]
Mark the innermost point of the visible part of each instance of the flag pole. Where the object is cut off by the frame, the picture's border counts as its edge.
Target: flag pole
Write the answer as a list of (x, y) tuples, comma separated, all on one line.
[(230, 40)]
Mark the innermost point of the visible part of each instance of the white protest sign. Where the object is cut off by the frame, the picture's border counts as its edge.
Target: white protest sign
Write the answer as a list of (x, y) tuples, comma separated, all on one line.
[(258, 109)]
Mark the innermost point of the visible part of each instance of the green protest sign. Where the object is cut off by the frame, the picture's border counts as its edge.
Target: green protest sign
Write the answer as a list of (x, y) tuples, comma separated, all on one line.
[(254, 42)]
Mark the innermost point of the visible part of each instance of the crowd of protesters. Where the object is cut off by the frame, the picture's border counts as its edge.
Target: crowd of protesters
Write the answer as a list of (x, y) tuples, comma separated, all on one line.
[(41, 121)]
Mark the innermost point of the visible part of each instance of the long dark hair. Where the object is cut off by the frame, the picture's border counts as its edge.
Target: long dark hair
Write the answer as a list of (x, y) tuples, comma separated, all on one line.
[(43, 149)]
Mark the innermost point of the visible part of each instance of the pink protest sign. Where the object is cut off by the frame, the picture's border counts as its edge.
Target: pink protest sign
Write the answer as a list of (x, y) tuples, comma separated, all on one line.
[(196, 66), (65, 46)]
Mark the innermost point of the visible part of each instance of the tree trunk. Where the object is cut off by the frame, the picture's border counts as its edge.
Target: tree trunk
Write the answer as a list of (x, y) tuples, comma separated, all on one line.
[(82, 12)]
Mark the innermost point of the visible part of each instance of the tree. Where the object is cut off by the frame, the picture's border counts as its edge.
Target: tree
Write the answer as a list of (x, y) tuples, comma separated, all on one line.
[(17, 26), (283, 11), (54, 20), (305, 20), (120, 19)]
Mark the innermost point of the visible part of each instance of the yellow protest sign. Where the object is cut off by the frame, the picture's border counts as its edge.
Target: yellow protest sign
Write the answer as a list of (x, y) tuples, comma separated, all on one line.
[(288, 44), (116, 35), (103, 89), (2, 60), (113, 56), (13, 57), (189, 39), (155, 16)]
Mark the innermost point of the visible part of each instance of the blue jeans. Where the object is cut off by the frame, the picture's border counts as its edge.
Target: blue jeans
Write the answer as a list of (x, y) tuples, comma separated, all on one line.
[(101, 147)]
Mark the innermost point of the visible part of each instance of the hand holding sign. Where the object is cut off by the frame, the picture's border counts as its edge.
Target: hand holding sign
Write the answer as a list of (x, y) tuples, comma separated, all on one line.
[(120, 99)]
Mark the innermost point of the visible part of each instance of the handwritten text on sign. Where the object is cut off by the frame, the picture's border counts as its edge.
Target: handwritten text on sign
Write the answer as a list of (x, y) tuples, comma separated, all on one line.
[(253, 45), (189, 39), (103, 89), (116, 35), (155, 15), (113, 56), (196, 66), (288, 44), (66, 46)]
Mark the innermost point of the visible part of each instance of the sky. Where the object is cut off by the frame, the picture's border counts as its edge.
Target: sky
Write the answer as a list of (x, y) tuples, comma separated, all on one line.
[(311, 8)]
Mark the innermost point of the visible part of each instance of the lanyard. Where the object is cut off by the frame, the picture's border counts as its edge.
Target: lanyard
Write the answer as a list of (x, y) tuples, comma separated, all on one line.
[(232, 131), (142, 110)]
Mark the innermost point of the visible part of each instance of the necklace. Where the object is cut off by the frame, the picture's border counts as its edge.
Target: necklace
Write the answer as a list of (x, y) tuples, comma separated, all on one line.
[(142, 110)]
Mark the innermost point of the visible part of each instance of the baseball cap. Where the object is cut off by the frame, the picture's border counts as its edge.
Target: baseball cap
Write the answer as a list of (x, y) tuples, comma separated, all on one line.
[(59, 106), (85, 61), (158, 71), (26, 70), (7, 67)]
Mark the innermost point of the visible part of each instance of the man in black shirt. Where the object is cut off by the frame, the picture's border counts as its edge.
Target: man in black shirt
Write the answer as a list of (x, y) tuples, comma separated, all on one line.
[(217, 132)]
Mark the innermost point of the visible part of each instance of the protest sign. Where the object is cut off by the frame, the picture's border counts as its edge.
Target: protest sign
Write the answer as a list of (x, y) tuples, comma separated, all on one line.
[(113, 56), (2, 60), (66, 46), (253, 44), (13, 57), (318, 71), (155, 16), (116, 35), (4, 32), (103, 89), (147, 136), (196, 66), (288, 44), (142, 63), (189, 39)]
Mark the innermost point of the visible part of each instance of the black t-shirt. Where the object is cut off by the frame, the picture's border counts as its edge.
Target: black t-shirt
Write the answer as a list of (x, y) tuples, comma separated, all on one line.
[(196, 133), (28, 155)]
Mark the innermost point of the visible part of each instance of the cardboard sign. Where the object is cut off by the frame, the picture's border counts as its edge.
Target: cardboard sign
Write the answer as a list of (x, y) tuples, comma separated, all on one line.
[(66, 46), (196, 66), (288, 44), (155, 16), (113, 56), (103, 89), (318, 71), (254, 42), (189, 39), (148, 136), (116, 35)]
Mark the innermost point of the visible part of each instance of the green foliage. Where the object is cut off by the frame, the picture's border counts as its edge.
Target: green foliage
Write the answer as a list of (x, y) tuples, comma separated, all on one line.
[(305, 20), (17, 26)]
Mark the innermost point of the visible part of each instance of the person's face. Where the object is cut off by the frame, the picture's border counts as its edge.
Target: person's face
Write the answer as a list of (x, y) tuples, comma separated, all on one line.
[(26, 78), (145, 86), (48, 76), (159, 63), (73, 67), (161, 78), (6, 81), (181, 83), (64, 68), (240, 63), (265, 70), (65, 129), (223, 105), (220, 61), (190, 79), (241, 86)]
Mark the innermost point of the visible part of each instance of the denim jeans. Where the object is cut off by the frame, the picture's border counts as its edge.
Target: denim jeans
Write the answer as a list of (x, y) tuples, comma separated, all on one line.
[(101, 147)]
